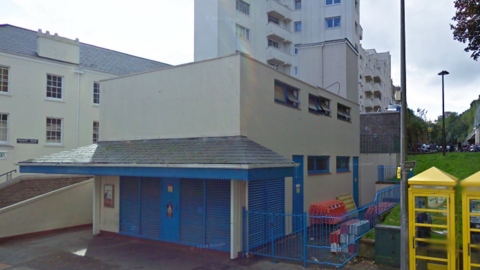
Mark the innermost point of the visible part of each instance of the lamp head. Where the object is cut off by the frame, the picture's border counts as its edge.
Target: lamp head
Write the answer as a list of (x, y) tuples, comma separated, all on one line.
[(444, 72)]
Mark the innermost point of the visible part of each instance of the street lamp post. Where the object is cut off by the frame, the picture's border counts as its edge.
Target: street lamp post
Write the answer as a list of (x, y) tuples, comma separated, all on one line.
[(443, 73)]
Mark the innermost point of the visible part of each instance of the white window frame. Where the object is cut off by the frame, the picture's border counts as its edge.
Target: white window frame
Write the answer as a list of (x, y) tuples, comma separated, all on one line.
[(295, 26), (334, 2), (96, 93), (4, 128), (295, 71), (47, 142), (245, 9), (56, 88), (273, 65), (295, 50), (4, 81), (96, 131), (297, 7), (243, 32), (333, 22)]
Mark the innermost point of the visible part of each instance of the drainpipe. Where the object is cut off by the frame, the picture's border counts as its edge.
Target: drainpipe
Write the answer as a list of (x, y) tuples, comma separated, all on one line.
[(78, 72)]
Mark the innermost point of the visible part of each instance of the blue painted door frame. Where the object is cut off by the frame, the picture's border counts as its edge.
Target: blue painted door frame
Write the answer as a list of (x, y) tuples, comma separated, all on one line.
[(355, 181), (297, 186), (170, 210)]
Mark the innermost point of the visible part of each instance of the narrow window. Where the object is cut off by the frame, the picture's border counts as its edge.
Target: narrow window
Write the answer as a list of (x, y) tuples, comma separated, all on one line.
[(296, 50), (273, 65), (54, 86), (96, 127), (96, 93), (295, 69), (243, 32), (343, 164), (298, 26), (54, 131), (318, 164), (298, 4), (318, 105), (272, 43), (332, 22), (3, 79), (3, 128), (332, 2), (286, 94), (343, 113), (243, 7)]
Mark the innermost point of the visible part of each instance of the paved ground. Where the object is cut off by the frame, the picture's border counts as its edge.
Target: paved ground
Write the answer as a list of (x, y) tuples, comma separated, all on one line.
[(78, 249)]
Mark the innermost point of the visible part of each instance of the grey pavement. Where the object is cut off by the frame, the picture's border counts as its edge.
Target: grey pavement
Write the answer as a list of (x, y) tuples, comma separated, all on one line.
[(78, 249)]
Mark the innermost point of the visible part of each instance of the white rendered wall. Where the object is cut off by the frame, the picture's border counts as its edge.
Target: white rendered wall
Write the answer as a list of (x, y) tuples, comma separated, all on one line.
[(290, 131), (28, 108), (199, 99)]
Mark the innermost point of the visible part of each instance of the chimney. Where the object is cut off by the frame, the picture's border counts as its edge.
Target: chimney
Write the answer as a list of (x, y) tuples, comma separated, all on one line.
[(58, 48)]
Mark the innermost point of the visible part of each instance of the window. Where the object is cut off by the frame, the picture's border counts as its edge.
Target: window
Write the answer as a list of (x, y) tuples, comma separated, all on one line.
[(273, 65), (318, 164), (343, 164), (3, 79), (243, 7), (356, 5), (272, 43), (54, 86), (96, 126), (356, 28), (96, 93), (243, 32), (286, 94), (332, 2), (332, 22), (298, 4), (296, 50), (295, 71), (343, 113), (298, 26), (273, 20), (54, 131), (318, 105), (3, 128)]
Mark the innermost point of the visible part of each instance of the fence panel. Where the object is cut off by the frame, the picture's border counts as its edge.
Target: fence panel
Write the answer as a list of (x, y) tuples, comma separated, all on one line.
[(323, 240)]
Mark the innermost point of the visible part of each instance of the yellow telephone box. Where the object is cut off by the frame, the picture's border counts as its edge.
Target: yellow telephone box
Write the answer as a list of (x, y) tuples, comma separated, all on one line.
[(431, 199), (471, 222)]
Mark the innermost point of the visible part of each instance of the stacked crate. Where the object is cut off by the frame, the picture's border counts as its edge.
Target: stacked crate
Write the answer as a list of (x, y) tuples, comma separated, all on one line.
[(350, 231), (330, 208)]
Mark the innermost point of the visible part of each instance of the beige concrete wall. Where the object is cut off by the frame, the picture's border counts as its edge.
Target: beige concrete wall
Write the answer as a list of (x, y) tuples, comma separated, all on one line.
[(290, 131), (28, 108), (368, 165), (58, 48), (63, 208), (110, 217), (194, 100)]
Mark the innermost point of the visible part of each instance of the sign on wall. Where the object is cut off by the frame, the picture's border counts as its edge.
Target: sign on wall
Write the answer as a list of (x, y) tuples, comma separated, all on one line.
[(28, 141), (108, 196)]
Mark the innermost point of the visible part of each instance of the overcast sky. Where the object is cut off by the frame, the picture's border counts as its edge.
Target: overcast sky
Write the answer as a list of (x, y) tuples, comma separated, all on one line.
[(163, 30)]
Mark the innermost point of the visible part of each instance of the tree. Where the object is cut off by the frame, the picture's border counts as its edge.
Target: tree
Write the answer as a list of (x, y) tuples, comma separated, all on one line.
[(467, 18)]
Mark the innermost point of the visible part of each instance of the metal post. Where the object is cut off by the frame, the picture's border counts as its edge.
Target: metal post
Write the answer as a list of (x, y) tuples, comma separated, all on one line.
[(443, 117), (404, 244)]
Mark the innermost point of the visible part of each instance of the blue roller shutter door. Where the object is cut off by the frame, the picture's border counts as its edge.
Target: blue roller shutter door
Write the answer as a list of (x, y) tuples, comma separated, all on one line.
[(150, 208), (192, 213), (140, 207), (276, 206), (218, 214), (129, 208)]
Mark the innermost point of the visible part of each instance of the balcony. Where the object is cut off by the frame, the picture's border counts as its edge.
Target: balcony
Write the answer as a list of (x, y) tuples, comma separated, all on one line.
[(368, 74), (376, 75), (278, 57), (377, 89), (368, 103), (377, 102), (368, 88), (278, 33), (278, 10)]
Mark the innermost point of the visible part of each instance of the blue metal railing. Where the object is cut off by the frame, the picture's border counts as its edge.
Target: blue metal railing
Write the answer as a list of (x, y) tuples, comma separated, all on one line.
[(389, 173), (326, 240)]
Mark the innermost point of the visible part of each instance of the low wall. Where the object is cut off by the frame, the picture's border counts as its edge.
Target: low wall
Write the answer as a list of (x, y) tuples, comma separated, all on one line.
[(66, 207)]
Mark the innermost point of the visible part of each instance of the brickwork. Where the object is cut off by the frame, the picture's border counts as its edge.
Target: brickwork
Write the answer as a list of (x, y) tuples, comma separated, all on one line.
[(26, 189), (380, 132)]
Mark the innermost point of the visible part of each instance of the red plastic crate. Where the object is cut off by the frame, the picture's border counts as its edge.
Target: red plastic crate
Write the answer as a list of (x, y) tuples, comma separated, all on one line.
[(335, 237), (330, 208)]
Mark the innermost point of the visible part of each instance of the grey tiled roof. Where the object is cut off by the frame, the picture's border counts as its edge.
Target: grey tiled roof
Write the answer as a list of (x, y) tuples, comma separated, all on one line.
[(21, 41), (235, 150)]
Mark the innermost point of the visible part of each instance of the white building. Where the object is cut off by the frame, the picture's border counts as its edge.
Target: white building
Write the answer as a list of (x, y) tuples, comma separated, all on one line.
[(375, 88), (49, 92), (207, 139), (316, 41)]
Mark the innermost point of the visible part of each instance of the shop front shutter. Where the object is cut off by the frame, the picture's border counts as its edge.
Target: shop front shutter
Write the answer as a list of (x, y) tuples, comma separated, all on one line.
[(276, 207), (150, 212), (217, 214), (192, 212), (129, 206), (257, 224)]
